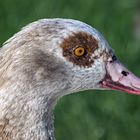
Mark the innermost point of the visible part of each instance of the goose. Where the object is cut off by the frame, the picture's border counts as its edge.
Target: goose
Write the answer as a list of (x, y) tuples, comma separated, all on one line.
[(46, 60)]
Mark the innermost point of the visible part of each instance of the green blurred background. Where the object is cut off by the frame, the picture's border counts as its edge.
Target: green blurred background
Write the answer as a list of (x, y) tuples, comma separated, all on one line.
[(92, 115)]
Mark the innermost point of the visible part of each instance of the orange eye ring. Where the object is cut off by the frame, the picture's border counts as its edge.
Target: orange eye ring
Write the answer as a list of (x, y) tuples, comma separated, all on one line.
[(79, 51)]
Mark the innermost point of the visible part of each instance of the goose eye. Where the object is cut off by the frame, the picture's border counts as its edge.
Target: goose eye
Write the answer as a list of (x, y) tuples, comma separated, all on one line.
[(79, 51)]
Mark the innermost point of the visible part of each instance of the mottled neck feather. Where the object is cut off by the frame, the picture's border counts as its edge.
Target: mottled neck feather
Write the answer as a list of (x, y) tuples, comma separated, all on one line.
[(29, 90), (27, 101), (27, 119)]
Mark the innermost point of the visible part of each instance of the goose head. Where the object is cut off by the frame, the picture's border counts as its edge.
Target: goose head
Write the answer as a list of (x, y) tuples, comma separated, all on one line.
[(46, 60), (72, 56), (93, 64)]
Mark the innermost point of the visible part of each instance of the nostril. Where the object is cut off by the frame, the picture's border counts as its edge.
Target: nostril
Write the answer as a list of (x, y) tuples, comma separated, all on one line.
[(125, 73)]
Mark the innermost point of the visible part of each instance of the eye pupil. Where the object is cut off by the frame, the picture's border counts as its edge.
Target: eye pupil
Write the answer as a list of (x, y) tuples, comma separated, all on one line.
[(79, 51)]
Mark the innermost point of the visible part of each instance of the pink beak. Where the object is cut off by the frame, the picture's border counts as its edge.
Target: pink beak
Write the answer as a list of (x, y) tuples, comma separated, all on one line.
[(120, 78)]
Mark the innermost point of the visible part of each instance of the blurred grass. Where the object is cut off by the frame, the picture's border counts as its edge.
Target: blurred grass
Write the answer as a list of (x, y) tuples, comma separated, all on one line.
[(98, 115)]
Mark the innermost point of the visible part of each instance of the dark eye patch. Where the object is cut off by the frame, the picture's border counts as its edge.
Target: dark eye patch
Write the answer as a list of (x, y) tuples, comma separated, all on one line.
[(76, 40)]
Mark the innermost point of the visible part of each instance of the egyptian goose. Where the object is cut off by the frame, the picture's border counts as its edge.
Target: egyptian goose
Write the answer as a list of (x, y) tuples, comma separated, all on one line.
[(47, 59)]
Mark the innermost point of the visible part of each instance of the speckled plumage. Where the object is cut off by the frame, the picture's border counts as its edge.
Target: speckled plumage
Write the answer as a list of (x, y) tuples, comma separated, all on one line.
[(34, 74)]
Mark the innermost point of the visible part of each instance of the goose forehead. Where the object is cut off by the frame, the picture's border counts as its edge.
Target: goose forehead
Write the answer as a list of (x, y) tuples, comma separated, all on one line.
[(75, 26), (78, 26)]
